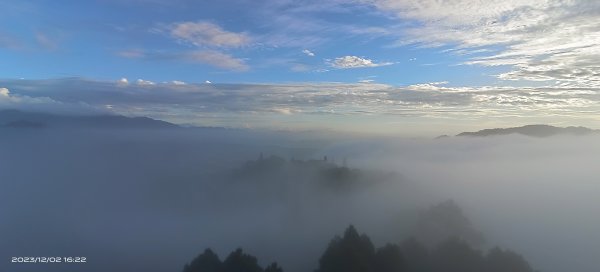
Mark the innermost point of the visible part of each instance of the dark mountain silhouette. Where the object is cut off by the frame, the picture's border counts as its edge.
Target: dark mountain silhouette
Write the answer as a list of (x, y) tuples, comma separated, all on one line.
[(533, 131), (21, 119)]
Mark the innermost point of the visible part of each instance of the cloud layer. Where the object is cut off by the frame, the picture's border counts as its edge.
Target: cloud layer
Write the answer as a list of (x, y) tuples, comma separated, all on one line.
[(238, 105)]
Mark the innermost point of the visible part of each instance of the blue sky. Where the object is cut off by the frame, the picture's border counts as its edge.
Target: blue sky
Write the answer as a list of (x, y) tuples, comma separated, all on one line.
[(540, 47), (135, 39)]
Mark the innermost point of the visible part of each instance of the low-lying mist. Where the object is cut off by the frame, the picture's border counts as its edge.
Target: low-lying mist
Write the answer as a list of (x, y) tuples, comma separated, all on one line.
[(152, 200)]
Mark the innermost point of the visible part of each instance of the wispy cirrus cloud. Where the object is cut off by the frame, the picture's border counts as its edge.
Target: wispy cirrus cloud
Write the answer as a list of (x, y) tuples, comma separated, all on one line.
[(212, 43), (46, 41), (132, 53), (542, 40), (207, 34), (217, 59), (210, 57)]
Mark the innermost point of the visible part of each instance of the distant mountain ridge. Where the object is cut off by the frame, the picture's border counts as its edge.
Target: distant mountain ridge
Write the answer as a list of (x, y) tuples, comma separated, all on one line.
[(533, 131), (19, 119)]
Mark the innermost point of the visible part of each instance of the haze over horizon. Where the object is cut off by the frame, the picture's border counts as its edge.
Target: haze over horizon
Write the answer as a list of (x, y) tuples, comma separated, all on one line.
[(413, 68)]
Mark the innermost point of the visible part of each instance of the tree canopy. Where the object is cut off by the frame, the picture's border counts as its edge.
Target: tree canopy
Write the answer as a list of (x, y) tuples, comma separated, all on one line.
[(237, 261), (354, 252)]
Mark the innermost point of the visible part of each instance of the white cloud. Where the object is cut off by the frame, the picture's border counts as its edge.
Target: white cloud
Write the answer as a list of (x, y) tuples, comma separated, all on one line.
[(285, 111), (123, 81), (143, 82), (177, 82), (207, 82), (542, 40), (347, 62), (208, 34), (11, 100), (4, 92), (217, 59), (308, 53), (454, 12)]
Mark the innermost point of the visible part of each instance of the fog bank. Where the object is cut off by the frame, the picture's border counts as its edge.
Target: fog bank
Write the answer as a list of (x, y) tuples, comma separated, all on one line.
[(151, 200)]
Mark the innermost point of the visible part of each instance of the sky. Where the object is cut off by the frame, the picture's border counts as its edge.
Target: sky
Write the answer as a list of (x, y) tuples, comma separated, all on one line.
[(382, 66)]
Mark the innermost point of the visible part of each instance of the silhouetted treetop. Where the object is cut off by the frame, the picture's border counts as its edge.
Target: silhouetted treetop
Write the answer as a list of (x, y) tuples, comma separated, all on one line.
[(205, 262), (354, 252), (237, 261), (273, 267), (350, 253)]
